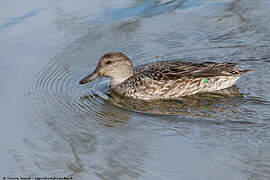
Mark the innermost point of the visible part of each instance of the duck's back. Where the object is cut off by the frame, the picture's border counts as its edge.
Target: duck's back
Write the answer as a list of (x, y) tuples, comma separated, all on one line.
[(171, 79)]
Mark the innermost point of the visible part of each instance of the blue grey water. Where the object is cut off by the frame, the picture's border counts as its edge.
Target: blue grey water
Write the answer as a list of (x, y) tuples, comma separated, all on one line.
[(52, 126)]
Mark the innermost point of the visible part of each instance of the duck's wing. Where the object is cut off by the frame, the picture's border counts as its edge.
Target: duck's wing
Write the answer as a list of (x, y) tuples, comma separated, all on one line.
[(171, 70)]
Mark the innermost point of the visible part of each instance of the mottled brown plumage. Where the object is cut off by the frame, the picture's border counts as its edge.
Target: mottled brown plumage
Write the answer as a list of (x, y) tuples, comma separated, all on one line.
[(166, 79)]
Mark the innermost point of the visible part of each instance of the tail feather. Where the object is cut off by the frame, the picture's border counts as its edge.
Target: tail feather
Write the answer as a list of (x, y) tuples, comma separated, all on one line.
[(246, 71)]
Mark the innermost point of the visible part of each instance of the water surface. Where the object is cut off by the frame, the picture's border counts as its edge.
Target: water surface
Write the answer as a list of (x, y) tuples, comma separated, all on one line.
[(52, 126)]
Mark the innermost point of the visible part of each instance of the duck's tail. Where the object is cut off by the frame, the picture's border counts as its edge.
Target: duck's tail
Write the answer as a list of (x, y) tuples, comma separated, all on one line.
[(246, 71)]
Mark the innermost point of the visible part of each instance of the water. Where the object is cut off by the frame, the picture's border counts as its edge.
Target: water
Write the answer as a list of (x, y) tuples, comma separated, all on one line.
[(52, 126)]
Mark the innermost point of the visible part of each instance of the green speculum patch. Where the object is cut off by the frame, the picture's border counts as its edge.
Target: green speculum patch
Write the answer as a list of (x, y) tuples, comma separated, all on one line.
[(205, 80)]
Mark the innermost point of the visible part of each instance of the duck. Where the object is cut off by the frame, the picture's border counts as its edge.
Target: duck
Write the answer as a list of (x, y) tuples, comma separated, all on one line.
[(164, 79)]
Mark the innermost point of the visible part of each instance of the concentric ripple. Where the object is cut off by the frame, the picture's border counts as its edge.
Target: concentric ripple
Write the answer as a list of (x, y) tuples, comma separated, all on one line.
[(58, 89)]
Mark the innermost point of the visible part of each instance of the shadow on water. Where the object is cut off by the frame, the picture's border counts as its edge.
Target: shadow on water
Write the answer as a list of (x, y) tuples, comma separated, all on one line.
[(17, 20), (144, 9), (185, 106)]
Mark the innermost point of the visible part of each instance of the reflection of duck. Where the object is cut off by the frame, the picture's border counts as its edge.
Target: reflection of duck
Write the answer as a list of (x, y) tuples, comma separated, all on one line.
[(166, 79), (200, 105)]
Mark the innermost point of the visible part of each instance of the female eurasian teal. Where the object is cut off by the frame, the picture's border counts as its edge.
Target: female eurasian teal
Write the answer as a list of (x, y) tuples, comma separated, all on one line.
[(165, 79)]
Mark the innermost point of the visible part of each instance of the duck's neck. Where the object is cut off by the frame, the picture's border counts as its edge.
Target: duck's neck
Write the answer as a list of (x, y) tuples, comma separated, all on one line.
[(121, 76)]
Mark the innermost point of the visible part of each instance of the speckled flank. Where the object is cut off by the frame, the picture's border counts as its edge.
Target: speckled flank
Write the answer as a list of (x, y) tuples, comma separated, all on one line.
[(150, 89), (166, 79)]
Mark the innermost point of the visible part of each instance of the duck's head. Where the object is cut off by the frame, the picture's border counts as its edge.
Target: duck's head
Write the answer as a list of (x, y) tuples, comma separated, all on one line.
[(115, 65)]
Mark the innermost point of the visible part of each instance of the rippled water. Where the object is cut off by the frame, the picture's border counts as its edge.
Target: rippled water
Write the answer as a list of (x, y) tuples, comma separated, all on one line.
[(52, 126)]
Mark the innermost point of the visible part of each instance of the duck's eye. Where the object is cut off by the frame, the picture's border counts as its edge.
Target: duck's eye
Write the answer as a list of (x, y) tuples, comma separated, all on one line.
[(108, 62)]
